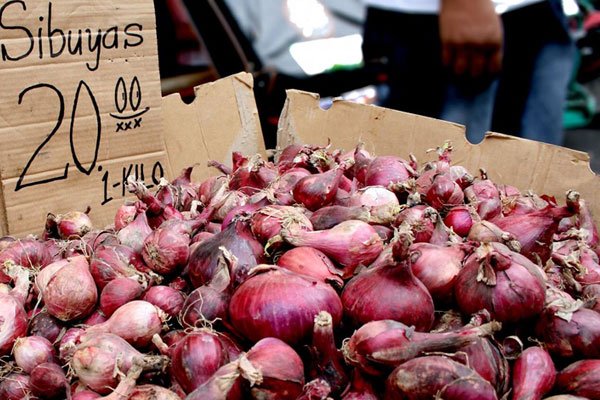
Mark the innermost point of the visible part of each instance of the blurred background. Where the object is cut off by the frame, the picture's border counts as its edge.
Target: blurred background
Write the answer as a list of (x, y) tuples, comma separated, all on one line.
[(315, 45)]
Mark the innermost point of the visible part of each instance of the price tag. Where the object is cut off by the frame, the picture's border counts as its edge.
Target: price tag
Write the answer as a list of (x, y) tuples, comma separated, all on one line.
[(79, 107)]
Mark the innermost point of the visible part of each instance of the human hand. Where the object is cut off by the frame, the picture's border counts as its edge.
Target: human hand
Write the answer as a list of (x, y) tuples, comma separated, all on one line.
[(471, 37)]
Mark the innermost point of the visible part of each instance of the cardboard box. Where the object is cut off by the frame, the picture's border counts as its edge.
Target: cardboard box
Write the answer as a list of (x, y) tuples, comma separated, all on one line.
[(526, 164)]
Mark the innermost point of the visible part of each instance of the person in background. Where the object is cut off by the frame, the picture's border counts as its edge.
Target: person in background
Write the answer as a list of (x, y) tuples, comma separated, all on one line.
[(501, 65)]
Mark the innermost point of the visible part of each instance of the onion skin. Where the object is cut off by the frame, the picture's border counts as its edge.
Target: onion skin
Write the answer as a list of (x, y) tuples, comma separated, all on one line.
[(359, 388), (225, 384), (330, 216), (533, 374), (48, 380), (484, 195), (136, 322), (280, 367), (267, 222), (426, 377), (13, 322), (444, 193), (281, 304), (503, 282), (489, 362), (167, 299), (350, 243), (582, 378), (166, 249), (31, 351), (312, 262), (85, 395), (420, 220), (15, 387), (71, 225), (195, 358), (283, 185), (315, 389), (76, 280), (68, 343), (118, 292), (125, 214), (592, 293), (460, 219), (388, 292), (380, 345)]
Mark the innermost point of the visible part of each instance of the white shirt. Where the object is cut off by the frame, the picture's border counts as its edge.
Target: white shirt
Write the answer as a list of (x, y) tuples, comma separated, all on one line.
[(433, 6)]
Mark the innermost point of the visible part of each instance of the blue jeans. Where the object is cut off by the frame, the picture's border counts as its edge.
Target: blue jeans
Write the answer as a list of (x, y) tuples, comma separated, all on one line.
[(526, 100)]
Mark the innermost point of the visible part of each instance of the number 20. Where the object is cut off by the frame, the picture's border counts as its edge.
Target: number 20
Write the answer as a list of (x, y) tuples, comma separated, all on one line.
[(61, 113)]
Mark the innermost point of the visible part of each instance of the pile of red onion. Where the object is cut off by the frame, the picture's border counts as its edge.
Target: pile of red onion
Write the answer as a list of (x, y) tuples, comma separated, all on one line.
[(327, 274)]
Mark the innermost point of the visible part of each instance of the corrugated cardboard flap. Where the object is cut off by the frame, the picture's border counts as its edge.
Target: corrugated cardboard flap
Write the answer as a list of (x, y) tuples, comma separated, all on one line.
[(210, 128), (526, 164)]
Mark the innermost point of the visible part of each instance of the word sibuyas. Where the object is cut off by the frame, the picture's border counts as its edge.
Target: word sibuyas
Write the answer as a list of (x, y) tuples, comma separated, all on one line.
[(49, 41)]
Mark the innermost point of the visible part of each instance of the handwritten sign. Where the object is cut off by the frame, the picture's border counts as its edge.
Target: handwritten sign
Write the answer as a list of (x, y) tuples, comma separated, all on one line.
[(79, 107)]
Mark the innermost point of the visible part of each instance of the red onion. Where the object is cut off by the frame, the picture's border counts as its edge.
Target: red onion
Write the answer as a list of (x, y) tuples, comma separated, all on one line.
[(136, 322), (200, 237), (376, 346), (85, 395), (167, 299), (282, 186), (267, 222), (15, 387), (168, 247), (13, 322), (279, 370), (312, 262), (44, 325), (565, 397), (534, 230), (253, 175), (437, 267), (205, 304), (318, 190), (156, 211), (48, 381), (362, 159), (125, 214), (134, 234), (99, 355), (359, 388), (70, 292), (225, 384), (195, 358), (112, 262), (72, 225), (489, 362), (68, 343), (237, 241), (28, 252), (420, 220), (118, 292), (486, 232), (374, 196), (330, 216), (582, 378), (523, 204), (577, 261), (247, 209), (444, 193), (504, 283), (386, 170), (566, 328), (327, 362), (427, 377), (281, 304), (389, 291), (350, 243), (587, 226), (460, 219), (227, 202), (95, 318), (533, 374), (485, 197), (152, 392), (31, 351)]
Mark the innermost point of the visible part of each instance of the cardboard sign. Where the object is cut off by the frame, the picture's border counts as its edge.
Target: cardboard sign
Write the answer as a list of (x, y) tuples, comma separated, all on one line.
[(222, 119), (80, 107), (526, 164)]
